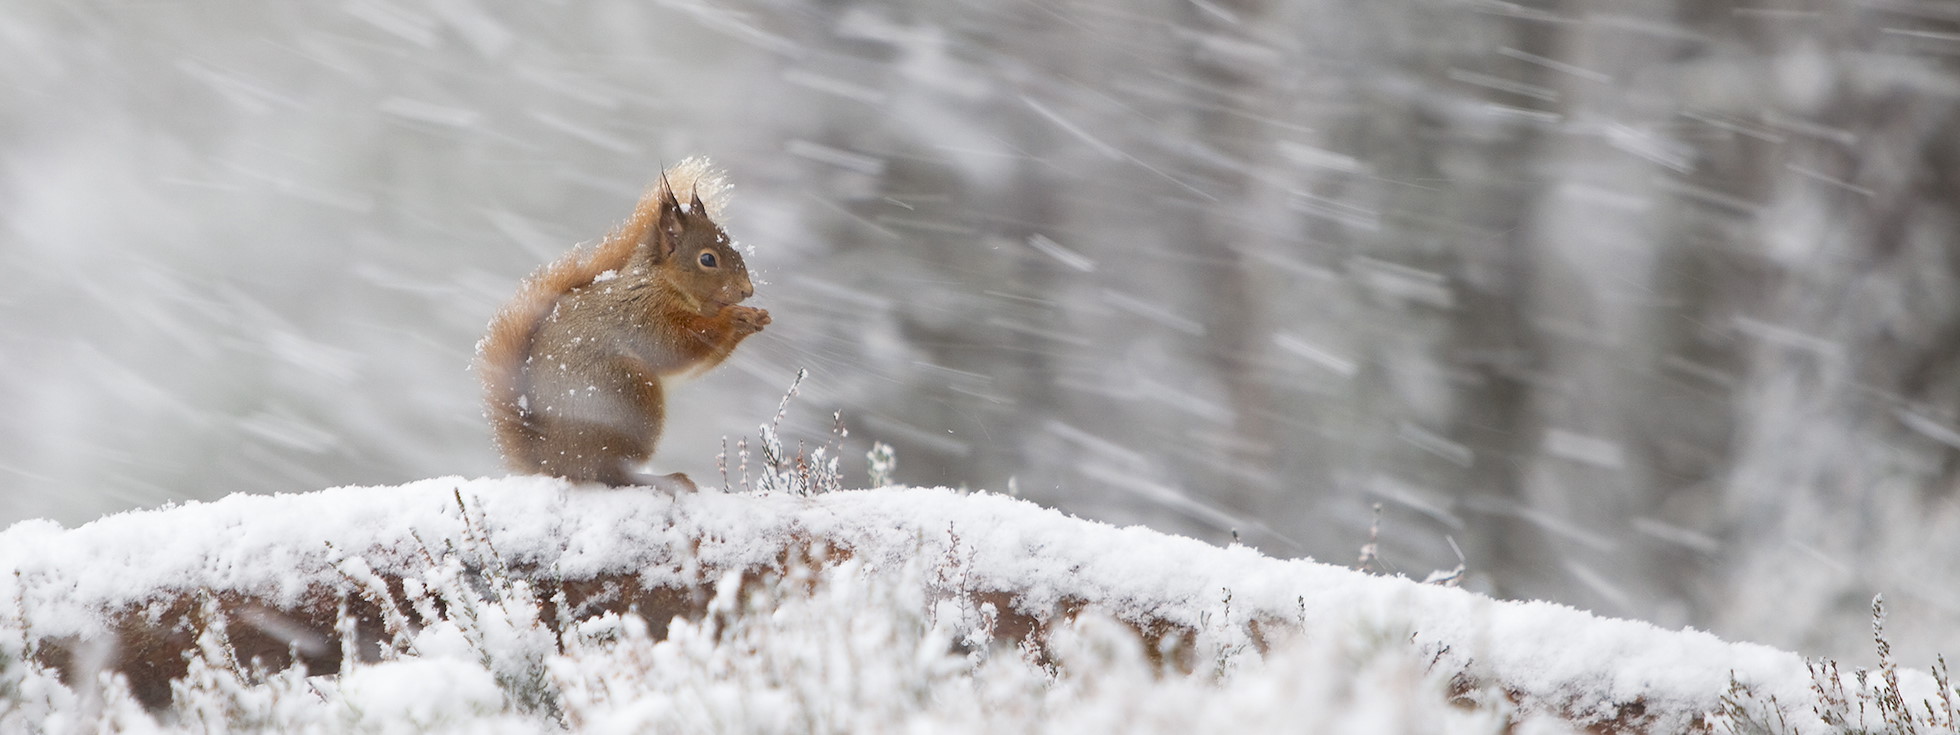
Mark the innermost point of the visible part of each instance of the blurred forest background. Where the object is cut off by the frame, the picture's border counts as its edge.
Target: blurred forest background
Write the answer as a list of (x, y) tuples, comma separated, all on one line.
[(1647, 306)]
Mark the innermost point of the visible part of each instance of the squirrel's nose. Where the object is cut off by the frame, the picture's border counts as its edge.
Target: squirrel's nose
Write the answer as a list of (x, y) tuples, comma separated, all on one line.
[(747, 290)]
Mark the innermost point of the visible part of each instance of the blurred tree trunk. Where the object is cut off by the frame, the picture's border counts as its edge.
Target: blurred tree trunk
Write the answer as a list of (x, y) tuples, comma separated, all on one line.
[(1238, 83), (1845, 461)]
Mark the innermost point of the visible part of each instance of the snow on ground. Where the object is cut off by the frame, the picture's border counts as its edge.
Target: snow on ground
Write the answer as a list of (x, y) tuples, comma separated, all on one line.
[(874, 646)]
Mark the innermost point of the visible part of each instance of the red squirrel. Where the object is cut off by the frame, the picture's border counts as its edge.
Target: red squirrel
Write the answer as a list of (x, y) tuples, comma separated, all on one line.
[(574, 366)]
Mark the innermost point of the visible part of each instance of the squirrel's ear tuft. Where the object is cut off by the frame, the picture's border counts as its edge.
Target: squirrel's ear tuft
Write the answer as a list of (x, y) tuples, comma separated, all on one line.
[(707, 184)]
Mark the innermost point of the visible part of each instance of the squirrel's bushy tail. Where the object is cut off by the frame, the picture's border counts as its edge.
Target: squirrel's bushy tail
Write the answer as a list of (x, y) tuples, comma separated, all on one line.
[(503, 352)]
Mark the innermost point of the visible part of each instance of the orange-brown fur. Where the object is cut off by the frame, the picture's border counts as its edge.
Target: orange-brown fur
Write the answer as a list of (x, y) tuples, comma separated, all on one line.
[(572, 367)]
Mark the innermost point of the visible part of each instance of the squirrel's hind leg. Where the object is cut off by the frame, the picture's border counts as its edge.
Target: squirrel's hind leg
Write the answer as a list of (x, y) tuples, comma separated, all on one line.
[(598, 424), (589, 452)]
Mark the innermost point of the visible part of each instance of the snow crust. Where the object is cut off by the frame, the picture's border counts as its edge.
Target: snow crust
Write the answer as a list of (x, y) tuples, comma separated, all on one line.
[(274, 547)]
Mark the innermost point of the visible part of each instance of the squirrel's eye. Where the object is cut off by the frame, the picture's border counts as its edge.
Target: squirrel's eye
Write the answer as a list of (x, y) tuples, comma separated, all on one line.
[(707, 260)]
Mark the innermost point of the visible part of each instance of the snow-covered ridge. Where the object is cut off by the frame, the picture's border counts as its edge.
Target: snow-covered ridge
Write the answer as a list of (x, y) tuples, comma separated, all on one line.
[(282, 551)]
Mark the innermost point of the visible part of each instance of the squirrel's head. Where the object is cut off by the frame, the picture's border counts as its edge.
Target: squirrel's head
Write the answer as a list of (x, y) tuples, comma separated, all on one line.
[(693, 254)]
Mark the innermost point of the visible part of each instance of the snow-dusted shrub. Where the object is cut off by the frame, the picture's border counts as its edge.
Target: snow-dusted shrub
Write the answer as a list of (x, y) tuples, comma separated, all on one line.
[(839, 650), (786, 605), (812, 649), (1876, 702)]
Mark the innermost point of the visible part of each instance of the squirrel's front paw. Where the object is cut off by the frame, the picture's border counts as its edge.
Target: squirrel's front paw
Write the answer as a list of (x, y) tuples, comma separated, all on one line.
[(749, 319)]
